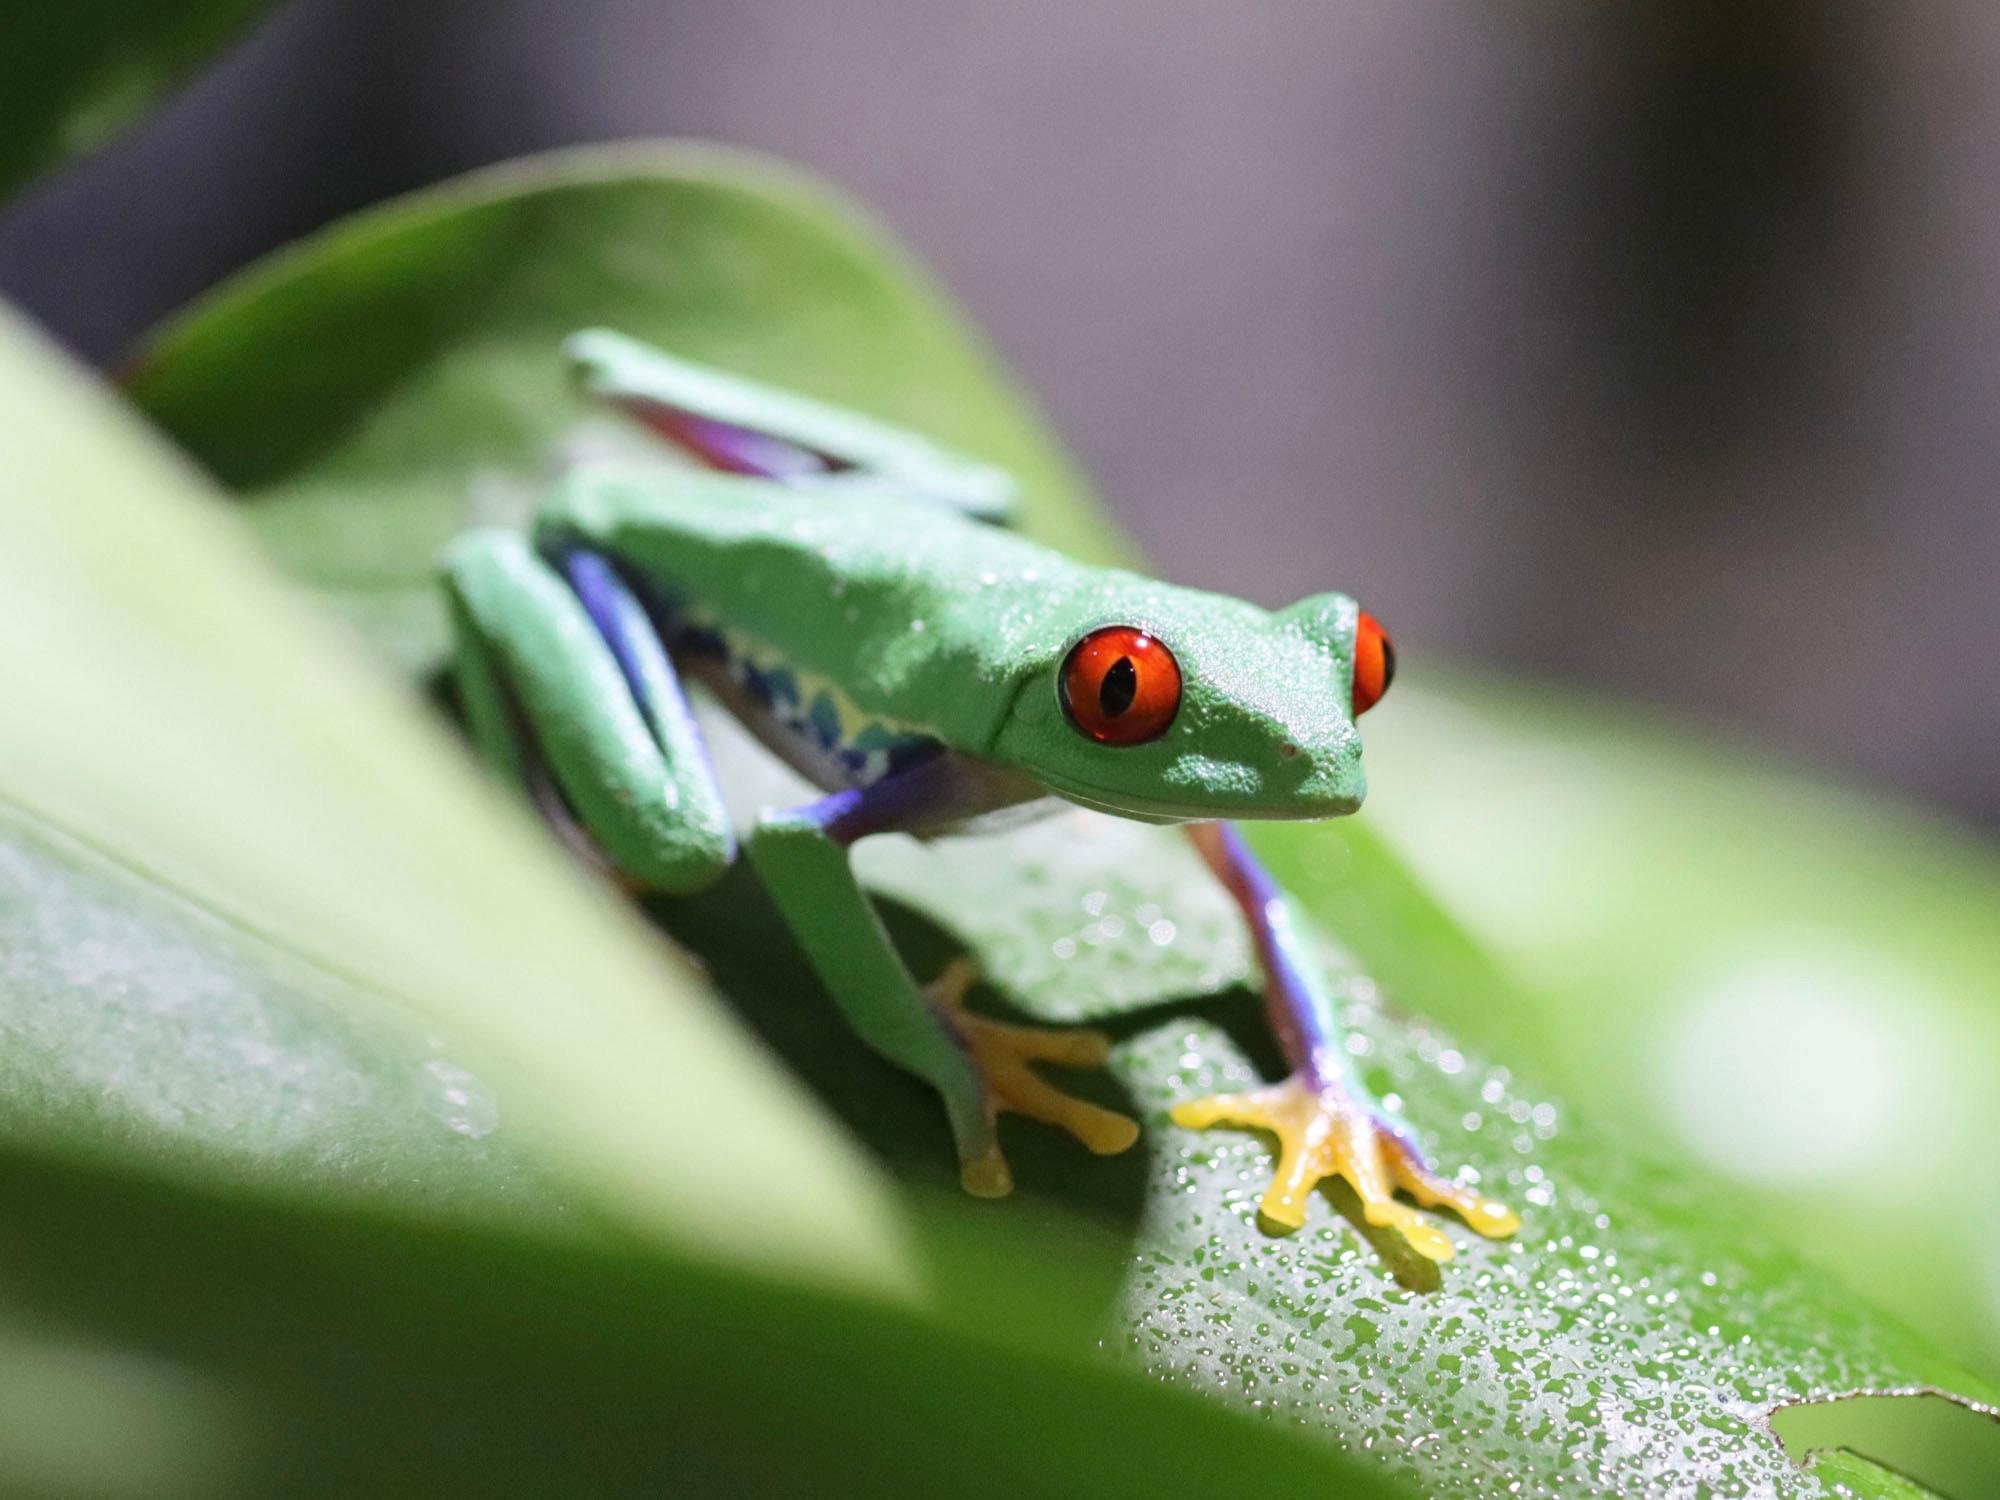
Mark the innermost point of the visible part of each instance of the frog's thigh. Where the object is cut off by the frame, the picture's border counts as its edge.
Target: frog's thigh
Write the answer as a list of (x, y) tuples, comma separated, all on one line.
[(801, 855), (979, 1066), (595, 702)]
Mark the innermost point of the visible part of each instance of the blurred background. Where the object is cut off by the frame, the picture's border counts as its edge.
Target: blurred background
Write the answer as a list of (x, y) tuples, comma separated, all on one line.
[(1655, 346)]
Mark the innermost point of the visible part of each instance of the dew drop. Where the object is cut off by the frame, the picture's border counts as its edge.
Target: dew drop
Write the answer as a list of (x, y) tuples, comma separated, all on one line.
[(465, 1104)]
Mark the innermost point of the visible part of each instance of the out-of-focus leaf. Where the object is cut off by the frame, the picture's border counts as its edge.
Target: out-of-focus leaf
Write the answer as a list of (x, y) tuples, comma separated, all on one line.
[(1630, 1341), (74, 72), (168, 1344), (260, 925), (1948, 1447), (1794, 984)]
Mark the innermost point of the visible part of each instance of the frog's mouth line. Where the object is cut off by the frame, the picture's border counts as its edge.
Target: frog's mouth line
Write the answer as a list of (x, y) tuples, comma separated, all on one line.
[(1103, 799)]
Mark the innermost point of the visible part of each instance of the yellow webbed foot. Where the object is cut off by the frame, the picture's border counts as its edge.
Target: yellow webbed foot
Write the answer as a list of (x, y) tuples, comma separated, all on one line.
[(1323, 1132), (1001, 1053)]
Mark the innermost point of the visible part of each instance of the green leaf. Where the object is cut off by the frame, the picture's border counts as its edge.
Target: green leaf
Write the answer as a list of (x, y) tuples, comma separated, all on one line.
[(164, 1343), (372, 389), (1950, 1447), (404, 386), (1633, 1331), (262, 927), (73, 74), (1804, 976), (349, 1145)]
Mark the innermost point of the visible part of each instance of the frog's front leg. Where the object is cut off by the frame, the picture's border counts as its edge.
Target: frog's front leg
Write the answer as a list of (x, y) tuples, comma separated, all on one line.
[(1326, 1123), (980, 1067), (567, 689)]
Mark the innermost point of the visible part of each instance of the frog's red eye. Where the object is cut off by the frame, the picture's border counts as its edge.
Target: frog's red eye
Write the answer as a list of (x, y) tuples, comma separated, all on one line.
[(1374, 663), (1120, 686)]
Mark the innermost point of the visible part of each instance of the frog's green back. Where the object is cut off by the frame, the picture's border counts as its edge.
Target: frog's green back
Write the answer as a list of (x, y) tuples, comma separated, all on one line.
[(923, 617)]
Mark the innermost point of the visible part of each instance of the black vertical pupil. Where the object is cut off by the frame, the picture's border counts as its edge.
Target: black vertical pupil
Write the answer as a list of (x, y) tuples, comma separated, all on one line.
[(1119, 688)]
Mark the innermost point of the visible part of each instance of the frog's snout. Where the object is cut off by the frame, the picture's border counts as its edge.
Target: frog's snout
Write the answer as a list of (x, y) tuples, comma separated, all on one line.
[(1329, 784)]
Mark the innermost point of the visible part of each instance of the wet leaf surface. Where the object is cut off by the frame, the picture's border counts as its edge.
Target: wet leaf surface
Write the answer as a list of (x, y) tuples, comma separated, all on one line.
[(1803, 973), (1628, 1341), (1633, 1331), (351, 1145)]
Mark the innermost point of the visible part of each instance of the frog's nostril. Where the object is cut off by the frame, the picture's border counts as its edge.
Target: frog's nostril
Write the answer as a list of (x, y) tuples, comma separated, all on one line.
[(1288, 750)]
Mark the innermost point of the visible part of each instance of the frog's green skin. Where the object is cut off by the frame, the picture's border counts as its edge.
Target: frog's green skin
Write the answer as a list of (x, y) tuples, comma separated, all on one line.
[(839, 593)]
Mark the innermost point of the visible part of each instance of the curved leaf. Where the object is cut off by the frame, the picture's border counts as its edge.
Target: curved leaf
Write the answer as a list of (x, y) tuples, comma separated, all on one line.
[(75, 73), (349, 1146), (165, 1344), (263, 926), (1630, 1341), (402, 386), (1804, 976)]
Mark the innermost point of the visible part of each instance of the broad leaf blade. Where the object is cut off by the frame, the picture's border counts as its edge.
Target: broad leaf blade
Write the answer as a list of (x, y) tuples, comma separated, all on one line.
[(350, 1146), (257, 898), (160, 1343), (1629, 1339), (409, 392), (1635, 1336), (1804, 976)]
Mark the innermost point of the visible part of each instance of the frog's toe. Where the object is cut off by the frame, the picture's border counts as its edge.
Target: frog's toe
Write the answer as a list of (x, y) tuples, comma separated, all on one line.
[(1494, 1220), (1001, 1053), (1015, 1088), (1080, 1048), (1324, 1132), (985, 1174)]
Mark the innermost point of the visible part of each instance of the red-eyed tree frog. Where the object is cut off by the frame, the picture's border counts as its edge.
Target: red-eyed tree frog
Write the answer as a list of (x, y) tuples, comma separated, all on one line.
[(839, 585)]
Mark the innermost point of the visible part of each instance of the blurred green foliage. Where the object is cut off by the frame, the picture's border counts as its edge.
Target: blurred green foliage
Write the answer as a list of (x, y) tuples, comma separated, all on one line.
[(1792, 981), (255, 899)]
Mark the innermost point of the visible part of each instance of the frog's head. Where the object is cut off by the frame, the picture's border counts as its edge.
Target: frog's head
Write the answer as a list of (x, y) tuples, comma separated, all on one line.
[(1171, 705)]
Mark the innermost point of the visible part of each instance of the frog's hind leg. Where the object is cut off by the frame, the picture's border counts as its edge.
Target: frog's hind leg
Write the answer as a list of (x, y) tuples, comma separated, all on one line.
[(979, 1066), (568, 690), (744, 427)]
